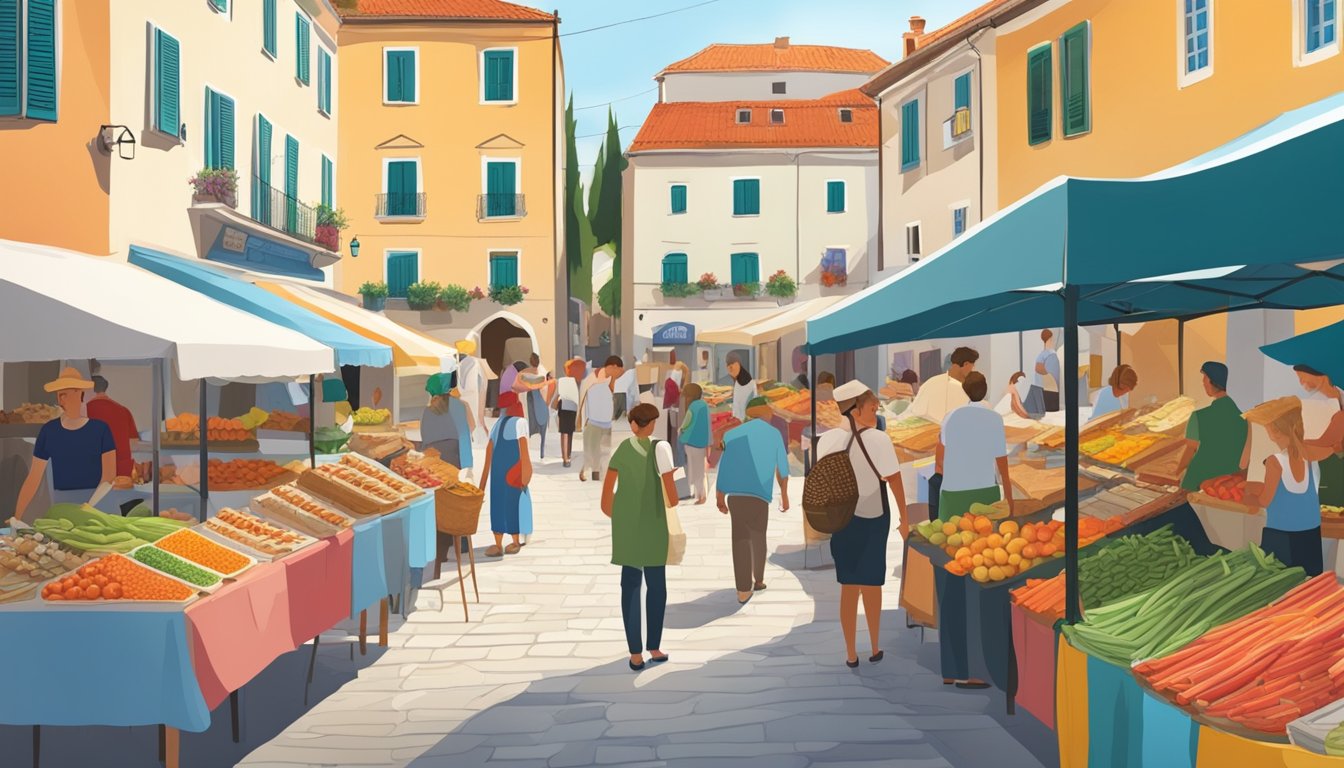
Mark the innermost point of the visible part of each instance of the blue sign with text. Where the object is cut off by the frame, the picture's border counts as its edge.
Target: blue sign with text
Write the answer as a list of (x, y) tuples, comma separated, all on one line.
[(672, 334)]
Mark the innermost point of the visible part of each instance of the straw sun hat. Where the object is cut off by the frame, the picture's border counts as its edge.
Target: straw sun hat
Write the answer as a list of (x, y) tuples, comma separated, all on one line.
[(69, 379)]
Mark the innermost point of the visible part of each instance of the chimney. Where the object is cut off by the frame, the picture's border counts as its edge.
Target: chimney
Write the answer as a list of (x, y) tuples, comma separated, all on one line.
[(911, 38), (782, 42)]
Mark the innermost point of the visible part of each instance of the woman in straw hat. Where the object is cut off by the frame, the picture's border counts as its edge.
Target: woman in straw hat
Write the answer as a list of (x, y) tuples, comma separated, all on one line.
[(81, 451), (860, 548)]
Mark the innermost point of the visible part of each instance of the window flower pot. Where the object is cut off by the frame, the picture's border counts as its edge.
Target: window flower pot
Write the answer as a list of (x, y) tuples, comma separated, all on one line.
[(328, 237), (375, 303), (717, 294)]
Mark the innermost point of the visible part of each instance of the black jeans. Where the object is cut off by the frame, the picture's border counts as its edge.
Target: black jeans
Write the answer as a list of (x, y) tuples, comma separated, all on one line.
[(656, 577)]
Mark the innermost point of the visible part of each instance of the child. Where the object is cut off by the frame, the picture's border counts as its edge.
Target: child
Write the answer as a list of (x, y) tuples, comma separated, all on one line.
[(1291, 496)]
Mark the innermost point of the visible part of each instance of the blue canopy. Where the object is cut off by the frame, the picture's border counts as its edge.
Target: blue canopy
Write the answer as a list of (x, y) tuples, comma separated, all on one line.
[(1322, 349), (1232, 223), (350, 348)]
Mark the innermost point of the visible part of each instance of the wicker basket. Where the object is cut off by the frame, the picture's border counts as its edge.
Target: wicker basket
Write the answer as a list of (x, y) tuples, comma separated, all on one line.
[(457, 514)]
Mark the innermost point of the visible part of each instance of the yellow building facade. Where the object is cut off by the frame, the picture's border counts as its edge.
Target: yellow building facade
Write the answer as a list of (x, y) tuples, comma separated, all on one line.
[(451, 139)]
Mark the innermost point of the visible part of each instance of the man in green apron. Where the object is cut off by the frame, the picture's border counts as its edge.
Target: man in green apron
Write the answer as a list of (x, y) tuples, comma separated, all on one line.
[(1217, 429)]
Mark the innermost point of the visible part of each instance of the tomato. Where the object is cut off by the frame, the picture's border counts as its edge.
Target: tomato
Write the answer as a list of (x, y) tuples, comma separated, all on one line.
[(100, 580), (74, 593), (113, 591), (85, 583), (93, 592)]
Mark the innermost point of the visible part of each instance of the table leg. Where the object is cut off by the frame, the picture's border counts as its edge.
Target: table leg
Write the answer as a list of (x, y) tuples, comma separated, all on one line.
[(382, 622), (37, 746), (162, 738), (461, 585), (363, 632), (443, 542), (171, 747), (233, 714), (312, 661), (471, 552)]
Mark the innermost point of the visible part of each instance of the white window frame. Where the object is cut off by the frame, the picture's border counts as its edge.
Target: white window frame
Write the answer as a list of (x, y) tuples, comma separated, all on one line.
[(150, 70), (419, 262), (318, 50), (517, 182), (490, 252), (732, 179), (740, 112), (1301, 58), (826, 196), (960, 205), (480, 76), (913, 255), (382, 83), (772, 116), (382, 189), (1186, 79)]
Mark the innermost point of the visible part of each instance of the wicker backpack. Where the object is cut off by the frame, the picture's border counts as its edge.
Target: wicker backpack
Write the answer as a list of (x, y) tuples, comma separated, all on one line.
[(831, 490)]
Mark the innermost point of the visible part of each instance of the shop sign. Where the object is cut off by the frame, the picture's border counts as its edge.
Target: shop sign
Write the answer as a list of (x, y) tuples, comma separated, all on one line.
[(234, 240), (673, 334)]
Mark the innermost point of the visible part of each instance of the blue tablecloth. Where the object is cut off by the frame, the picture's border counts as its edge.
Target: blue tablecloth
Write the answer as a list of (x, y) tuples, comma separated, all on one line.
[(368, 572), (1130, 728), (420, 526), (122, 668)]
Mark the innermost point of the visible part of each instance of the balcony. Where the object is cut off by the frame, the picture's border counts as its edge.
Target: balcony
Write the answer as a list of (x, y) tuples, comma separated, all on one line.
[(281, 235), (400, 205), (961, 122), (494, 205), (283, 213)]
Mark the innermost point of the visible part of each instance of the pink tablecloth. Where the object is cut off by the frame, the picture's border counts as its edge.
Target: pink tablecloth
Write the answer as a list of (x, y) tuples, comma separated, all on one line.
[(1034, 646), (319, 585)]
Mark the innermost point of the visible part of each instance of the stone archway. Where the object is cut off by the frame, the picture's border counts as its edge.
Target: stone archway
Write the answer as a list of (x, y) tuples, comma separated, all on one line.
[(503, 338)]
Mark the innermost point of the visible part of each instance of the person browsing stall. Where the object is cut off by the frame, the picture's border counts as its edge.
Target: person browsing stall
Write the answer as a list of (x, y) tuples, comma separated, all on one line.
[(1217, 430), (1115, 395), (744, 388), (971, 446), (1290, 496), (119, 419), (81, 451), (1043, 397), (753, 456), (944, 393)]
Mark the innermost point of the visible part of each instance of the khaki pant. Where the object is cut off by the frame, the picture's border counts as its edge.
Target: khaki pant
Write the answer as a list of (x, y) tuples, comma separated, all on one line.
[(695, 471), (596, 442), (749, 516)]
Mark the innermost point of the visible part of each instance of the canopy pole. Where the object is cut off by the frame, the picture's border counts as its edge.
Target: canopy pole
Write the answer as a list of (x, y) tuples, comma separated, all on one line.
[(156, 408), (1118, 345), (812, 381), (312, 420), (1070, 387), (205, 457), (1180, 356)]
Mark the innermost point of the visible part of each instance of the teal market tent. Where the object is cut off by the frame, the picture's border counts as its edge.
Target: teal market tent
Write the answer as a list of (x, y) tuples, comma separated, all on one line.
[(1322, 349)]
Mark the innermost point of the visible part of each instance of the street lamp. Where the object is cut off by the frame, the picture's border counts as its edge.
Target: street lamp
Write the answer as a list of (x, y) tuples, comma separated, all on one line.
[(354, 247)]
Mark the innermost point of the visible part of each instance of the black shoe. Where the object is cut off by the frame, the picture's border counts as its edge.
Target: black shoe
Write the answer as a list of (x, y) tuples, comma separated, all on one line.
[(877, 656), (852, 664), (759, 586), (637, 668), (972, 685), (594, 475), (659, 659)]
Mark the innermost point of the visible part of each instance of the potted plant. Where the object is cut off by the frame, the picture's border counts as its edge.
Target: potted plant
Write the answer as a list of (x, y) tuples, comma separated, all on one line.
[(215, 185), (423, 295), (330, 222), (746, 290), (781, 285), (709, 286), (374, 295), (455, 298), (476, 294), (507, 295), (680, 290)]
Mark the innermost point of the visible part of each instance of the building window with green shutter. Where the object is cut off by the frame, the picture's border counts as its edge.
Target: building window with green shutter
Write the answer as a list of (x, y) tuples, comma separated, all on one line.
[(835, 196), (166, 78), (501, 188), (29, 35), (401, 75), (262, 197), (291, 184), (401, 182), (675, 271), (745, 268), (219, 130), (678, 192), (403, 270), (328, 172), (221, 6), (499, 76), (503, 269), (1075, 93), (910, 135), (961, 106), (1040, 94), (303, 32), (268, 36), (746, 197), (323, 82)]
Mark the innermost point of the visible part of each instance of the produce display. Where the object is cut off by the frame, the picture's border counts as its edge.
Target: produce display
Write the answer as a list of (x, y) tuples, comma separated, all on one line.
[(187, 426), (416, 472), (175, 566), (1124, 448), (85, 529), (715, 394), (244, 474), (985, 554), (1119, 501), (286, 421), (407, 490), (900, 430), (190, 545), (328, 440), (1266, 669), (1321, 731), (117, 577), (1329, 511), (1170, 415), (1154, 623), (254, 532), (29, 558), (292, 507), (353, 490), (376, 446), (778, 392), (1226, 487), (367, 416), (30, 413)]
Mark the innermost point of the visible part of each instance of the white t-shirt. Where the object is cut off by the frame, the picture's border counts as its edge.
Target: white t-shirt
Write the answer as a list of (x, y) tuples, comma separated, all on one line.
[(516, 429), (568, 391), (742, 394), (973, 438), (938, 397), (662, 453), (600, 405), (882, 453)]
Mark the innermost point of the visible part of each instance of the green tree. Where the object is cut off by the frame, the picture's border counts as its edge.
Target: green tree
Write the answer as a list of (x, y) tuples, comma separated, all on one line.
[(604, 211), (579, 242)]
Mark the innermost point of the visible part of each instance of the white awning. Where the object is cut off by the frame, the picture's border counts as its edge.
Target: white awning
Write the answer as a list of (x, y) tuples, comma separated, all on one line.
[(771, 327), (59, 305)]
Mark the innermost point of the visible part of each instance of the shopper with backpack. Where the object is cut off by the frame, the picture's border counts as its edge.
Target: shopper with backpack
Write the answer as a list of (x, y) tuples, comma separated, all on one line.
[(859, 547)]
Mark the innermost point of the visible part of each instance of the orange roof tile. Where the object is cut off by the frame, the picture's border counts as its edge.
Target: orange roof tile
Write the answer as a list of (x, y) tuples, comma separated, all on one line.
[(713, 124), (441, 9), (722, 57), (961, 23)]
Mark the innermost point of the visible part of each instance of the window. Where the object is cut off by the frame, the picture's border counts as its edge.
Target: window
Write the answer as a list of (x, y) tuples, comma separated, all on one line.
[(961, 92), (835, 197), (675, 271), (1040, 94), (910, 135), (1196, 22), (220, 5), (501, 187), (846, 115), (261, 171), (776, 117), (302, 33), (912, 244), (402, 184), (403, 269), (218, 130), (498, 75), (328, 171), (323, 82), (778, 87), (746, 268), (678, 198), (743, 116), (28, 71), (167, 83), (1074, 90), (503, 269), (268, 27), (958, 221), (401, 75), (746, 197), (291, 184), (1321, 22)]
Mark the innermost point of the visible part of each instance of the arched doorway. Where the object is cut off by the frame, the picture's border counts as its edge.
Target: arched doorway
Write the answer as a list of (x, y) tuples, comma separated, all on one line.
[(504, 339)]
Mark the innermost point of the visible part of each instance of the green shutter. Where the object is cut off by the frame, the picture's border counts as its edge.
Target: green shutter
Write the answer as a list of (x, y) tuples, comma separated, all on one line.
[(211, 129), (220, 5), (961, 92), (402, 271), (326, 181), (501, 188), (1073, 80), (746, 268), (402, 188), (1040, 95), (835, 197), (167, 83), (674, 269), (11, 55), (746, 197), (291, 183), (268, 26), (400, 73), (261, 190), (324, 81), (226, 133), (301, 35), (678, 198), (498, 75), (504, 270), (41, 71), (909, 135)]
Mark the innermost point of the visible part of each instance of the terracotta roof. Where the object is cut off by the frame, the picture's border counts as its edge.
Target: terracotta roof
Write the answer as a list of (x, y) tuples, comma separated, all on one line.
[(722, 57), (713, 124), (476, 10)]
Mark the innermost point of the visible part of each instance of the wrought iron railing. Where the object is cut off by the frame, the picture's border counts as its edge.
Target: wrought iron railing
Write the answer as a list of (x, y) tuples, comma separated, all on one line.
[(400, 204), (494, 205), (279, 211)]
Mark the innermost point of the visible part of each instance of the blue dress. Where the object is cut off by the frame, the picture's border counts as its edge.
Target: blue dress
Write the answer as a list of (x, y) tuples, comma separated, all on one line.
[(510, 508)]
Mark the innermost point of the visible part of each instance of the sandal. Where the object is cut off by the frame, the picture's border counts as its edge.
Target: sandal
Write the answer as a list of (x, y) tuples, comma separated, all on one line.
[(852, 664), (876, 657), (512, 549), (658, 659), (494, 551)]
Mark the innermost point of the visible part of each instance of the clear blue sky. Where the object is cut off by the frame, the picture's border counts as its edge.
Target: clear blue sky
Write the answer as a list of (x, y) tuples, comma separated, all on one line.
[(614, 63)]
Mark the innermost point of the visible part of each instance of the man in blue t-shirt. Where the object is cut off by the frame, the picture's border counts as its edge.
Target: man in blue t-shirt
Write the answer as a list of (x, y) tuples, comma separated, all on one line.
[(754, 460), (81, 451)]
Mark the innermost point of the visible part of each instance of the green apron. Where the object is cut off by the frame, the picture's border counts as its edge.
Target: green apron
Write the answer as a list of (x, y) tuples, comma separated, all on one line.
[(638, 517), (952, 503), (1332, 480)]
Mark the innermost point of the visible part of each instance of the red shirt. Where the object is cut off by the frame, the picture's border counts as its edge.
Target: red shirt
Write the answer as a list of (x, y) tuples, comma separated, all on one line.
[(122, 423)]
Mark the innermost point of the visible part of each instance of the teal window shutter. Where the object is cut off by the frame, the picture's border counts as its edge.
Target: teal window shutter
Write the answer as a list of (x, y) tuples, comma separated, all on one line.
[(301, 40), (1075, 93), (961, 92), (261, 189), (327, 173), (746, 268), (291, 183), (41, 55), (167, 83), (324, 81), (402, 188), (11, 57), (399, 69), (1040, 95), (746, 197), (674, 269), (909, 135), (402, 270), (220, 5), (503, 270), (268, 26), (226, 133), (678, 198), (835, 197), (498, 75), (501, 189), (219, 131)]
